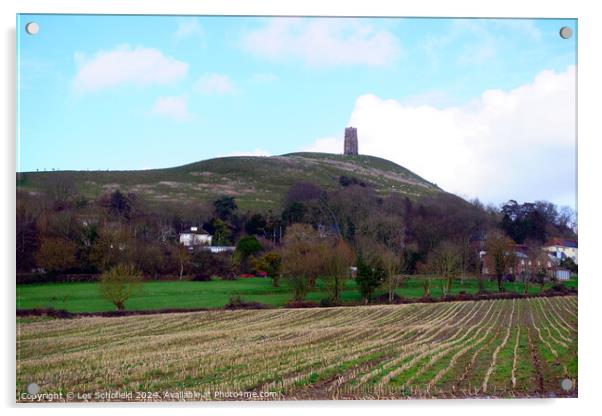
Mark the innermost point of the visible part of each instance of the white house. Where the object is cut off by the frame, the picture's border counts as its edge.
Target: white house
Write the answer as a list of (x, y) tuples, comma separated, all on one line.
[(562, 274), (562, 248), (195, 237)]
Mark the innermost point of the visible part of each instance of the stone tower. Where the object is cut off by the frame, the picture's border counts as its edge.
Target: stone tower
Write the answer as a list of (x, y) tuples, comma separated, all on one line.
[(350, 141)]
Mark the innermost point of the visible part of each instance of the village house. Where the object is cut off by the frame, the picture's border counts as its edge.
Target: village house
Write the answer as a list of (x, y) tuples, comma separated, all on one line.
[(198, 238), (562, 249), (195, 237), (523, 265)]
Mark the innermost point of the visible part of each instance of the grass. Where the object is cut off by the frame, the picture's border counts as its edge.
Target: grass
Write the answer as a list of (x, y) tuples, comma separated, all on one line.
[(379, 351), (243, 177), (84, 297)]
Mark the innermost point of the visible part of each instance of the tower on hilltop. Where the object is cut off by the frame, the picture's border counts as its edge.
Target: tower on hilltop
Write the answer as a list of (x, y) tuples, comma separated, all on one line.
[(350, 147)]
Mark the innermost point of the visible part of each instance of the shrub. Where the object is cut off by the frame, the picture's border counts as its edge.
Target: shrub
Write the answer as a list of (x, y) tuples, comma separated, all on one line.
[(237, 302), (57, 254), (370, 274), (327, 303), (207, 264), (119, 283), (269, 265), (246, 247), (301, 304), (202, 278)]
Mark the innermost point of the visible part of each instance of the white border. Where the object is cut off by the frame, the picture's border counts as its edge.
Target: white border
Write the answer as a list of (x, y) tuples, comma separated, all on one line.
[(590, 161)]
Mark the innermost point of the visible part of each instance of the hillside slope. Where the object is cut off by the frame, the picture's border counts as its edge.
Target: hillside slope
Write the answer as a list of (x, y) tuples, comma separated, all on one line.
[(256, 182)]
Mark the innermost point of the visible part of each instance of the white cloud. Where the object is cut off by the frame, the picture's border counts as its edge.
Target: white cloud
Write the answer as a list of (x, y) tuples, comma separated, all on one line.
[(188, 28), (215, 84), (126, 65), (174, 108), (323, 42), (505, 144)]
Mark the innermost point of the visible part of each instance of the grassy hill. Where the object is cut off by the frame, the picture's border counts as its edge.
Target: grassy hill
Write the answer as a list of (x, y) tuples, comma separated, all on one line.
[(256, 182)]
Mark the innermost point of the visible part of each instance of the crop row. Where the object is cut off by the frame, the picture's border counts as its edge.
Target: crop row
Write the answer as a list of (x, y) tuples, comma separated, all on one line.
[(503, 348)]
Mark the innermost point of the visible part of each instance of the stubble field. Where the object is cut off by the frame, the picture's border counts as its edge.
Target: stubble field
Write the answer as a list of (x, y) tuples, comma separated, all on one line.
[(499, 348)]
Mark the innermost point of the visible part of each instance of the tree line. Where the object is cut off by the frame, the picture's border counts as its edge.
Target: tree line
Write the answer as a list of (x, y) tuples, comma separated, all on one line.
[(316, 233)]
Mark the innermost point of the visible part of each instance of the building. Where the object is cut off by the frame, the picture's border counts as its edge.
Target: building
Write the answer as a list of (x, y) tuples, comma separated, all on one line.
[(562, 248), (219, 249), (195, 237), (524, 266), (350, 147)]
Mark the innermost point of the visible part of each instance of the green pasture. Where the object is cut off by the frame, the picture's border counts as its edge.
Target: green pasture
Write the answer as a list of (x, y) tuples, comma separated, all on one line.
[(85, 297)]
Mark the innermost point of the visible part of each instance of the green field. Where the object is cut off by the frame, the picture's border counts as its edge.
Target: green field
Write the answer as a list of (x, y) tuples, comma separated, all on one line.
[(84, 297), (490, 348)]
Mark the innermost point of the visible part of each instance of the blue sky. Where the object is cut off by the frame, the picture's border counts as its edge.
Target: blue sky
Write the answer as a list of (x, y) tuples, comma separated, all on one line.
[(134, 92)]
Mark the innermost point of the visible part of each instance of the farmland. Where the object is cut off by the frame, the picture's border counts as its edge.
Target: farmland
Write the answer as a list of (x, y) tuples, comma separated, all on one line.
[(500, 348)]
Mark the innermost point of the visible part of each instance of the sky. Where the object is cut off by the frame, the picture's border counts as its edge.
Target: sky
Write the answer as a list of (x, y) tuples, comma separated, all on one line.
[(482, 107)]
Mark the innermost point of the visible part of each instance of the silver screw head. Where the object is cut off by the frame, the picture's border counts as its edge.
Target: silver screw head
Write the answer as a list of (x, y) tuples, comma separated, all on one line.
[(32, 28), (566, 384), (33, 388), (566, 32)]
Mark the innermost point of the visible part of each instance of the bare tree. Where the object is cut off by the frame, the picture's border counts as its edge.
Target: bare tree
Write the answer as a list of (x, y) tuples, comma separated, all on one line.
[(446, 261), (56, 254), (183, 256), (393, 264), (336, 258), (301, 258), (60, 190), (119, 283), (534, 252), (501, 258)]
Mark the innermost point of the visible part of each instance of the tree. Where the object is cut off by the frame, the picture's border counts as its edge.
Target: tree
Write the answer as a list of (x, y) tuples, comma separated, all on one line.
[(370, 275), (256, 225), (204, 265), (426, 286), (301, 259), (246, 247), (302, 192), (393, 264), (543, 264), (221, 232), (225, 207), (294, 213), (569, 264), (534, 257), (270, 263), (110, 248), (56, 254), (500, 257), (120, 205), (28, 240), (336, 260), (119, 283), (183, 257), (61, 191), (530, 220), (446, 261), (148, 257)]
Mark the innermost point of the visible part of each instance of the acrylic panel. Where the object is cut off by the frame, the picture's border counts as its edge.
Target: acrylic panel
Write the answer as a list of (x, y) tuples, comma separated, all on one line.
[(295, 208)]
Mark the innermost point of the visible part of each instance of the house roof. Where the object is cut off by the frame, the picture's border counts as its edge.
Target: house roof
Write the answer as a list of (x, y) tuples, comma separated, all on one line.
[(194, 230), (563, 242)]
